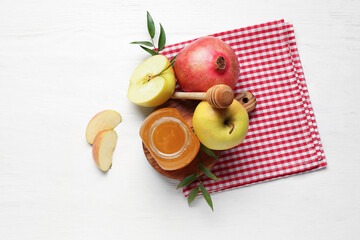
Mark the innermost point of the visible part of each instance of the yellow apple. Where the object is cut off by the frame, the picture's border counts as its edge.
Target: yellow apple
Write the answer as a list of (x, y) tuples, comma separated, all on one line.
[(220, 129), (147, 87), (103, 147), (104, 120)]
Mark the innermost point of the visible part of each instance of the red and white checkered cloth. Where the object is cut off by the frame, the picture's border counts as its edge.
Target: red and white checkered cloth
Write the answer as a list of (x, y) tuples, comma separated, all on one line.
[(283, 138)]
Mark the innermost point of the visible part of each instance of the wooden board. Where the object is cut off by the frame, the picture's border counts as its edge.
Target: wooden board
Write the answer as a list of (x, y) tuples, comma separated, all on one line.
[(186, 109)]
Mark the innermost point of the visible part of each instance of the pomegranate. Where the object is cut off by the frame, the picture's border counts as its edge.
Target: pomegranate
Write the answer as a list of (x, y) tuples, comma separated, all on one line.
[(204, 63)]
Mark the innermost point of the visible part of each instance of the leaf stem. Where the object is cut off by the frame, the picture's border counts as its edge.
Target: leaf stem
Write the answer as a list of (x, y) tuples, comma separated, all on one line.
[(152, 40), (171, 64), (156, 75)]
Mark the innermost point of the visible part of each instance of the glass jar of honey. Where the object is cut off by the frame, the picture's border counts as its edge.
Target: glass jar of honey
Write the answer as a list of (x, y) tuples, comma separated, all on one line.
[(169, 139)]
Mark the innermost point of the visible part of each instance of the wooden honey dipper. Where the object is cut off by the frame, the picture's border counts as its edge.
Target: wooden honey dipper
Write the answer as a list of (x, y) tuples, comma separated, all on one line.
[(218, 96)]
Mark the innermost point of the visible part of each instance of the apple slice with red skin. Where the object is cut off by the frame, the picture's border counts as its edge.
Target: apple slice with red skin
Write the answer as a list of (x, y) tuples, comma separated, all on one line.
[(103, 147), (104, 120)]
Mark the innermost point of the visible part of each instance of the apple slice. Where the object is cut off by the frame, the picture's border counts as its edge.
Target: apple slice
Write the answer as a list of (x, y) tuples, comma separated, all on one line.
[(103, 147), (104, 120), (150, 85)]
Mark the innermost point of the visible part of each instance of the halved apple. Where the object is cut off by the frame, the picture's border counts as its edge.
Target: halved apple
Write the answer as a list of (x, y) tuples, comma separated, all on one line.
[(103, 147), (150, 85), (104, 120)]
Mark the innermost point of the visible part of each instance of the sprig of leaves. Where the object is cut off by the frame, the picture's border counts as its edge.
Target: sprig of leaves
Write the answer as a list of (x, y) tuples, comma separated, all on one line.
[(152, 52), (206, 196), (191, 178), (187, 180), (193, 194), (150, 25), (208, 173), (162, 39), (208, 151), (152, 30)]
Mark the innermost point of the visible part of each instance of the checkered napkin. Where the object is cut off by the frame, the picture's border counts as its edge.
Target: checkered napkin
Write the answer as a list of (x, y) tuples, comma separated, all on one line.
[(283, 138)]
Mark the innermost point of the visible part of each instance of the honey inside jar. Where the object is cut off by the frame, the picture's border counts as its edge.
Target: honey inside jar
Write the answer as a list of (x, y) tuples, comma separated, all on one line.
[(169, 139)]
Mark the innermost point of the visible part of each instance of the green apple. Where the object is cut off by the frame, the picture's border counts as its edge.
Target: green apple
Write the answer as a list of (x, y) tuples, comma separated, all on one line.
[(220, 129), (150, 85)]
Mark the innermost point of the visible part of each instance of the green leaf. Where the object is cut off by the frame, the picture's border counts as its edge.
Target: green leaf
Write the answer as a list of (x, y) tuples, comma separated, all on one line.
[(150, 25), (152, 52), (193, 194), (206, 196), (146, 43), (187, 180), (208, 151), (207, 172), (162, 38)]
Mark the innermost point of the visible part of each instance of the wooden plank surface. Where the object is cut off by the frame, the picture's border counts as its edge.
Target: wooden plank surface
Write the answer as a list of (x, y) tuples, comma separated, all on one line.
[(61, 62)]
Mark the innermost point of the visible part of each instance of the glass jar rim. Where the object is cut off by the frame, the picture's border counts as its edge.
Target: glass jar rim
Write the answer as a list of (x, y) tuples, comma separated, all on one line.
[(156, 150)]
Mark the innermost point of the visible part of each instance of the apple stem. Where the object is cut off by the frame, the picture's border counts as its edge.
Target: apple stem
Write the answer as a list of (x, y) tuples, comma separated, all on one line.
[(172, 61), (161, 72), (232, 128)]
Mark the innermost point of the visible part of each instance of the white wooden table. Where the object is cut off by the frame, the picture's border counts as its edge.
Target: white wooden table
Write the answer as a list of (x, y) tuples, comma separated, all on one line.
[(63, 61)]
